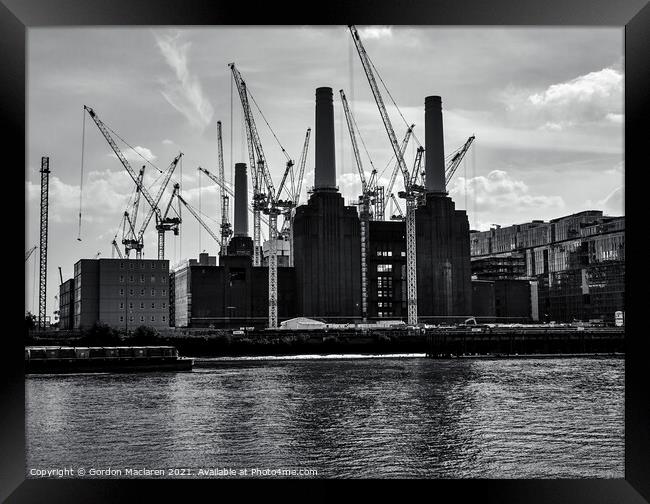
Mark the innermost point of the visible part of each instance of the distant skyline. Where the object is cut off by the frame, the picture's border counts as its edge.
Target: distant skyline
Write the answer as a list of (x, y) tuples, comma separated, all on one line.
[(545, 104)]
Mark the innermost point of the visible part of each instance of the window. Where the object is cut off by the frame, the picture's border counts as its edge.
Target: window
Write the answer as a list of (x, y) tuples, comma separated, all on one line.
[(403, 253), (153, 278), (163, 318), (141, 278), (131, 278), (121, 318), (130, 292), (153, 265), (164, 305), (142, 265), (131, 319), (142, 306), (121, 278), (142, 292), (141, 318), (121, 304), (384, 268), (153, 319), (153, 305), (164, 292), (130, 265), (163, 279), (131, 306), (121, 292), (121, 265), (153, 292)]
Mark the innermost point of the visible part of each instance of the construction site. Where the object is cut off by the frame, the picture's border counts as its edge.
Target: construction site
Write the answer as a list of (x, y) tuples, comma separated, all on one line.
[(329, 265)]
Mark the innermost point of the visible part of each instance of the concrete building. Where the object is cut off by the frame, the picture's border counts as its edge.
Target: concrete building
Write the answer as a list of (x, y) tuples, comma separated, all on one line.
[(123, 293), (66, 304), (575, 264)]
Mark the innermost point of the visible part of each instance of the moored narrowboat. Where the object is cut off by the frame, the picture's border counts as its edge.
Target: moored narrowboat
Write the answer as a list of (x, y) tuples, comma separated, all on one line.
[(61, 359)]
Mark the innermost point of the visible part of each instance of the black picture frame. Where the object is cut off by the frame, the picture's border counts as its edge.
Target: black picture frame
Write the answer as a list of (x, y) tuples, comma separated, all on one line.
[(16, 16)]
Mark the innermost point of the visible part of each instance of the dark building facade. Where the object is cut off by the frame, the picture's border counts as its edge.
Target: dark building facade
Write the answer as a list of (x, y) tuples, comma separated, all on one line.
[(327, 244), (233, 294), (122, 293)]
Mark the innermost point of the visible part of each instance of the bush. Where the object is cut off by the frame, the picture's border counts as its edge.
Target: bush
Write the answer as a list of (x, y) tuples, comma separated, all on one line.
[(145, 335), (100, 335)]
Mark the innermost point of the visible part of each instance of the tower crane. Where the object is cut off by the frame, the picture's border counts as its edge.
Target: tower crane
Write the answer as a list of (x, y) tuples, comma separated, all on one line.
[(367, 194), (411, 191), (455, 160), (153, 202), (129, 238), (226, 230), (389, 189), (287, 225), (269, 201)]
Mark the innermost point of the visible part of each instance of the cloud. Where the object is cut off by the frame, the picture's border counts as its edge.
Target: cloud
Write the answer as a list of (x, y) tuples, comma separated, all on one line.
[(184, 93), (167, 141), (593, 99), (136, 154), (612, 204), (376, 32), (499, 191)]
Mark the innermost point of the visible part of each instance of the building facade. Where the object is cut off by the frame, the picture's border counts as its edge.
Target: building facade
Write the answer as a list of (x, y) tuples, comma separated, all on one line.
[(575, 264), (123, 293)]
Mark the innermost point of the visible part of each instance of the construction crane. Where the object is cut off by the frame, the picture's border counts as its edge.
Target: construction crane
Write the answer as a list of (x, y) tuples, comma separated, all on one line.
[(165, 223), (61, 275), (289, 213), (255, 155), (411, 191), (455, 160), (153, 202), (42, 284), (117, 249), (226, 230), (389, 189), (129, 238), (399, 210), (265, 197), (29, 253), (367, 194)]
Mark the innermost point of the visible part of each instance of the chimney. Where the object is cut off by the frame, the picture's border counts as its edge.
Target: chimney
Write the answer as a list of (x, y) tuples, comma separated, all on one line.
[(434, 145), (325, 176), (241, 200)]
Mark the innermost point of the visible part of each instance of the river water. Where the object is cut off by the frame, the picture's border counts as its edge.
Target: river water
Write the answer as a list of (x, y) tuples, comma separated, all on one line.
[(344, 418)]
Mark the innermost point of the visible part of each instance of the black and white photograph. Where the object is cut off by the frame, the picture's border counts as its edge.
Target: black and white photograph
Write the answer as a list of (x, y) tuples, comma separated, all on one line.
[(325, 252)]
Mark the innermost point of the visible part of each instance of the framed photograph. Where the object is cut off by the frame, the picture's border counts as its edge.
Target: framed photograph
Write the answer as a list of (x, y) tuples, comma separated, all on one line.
[(265, 243)]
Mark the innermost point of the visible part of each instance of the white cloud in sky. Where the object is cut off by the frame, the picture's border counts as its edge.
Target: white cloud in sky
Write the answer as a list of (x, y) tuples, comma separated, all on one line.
[(185, 93), (376, 32), (136, 154), (499, 191)]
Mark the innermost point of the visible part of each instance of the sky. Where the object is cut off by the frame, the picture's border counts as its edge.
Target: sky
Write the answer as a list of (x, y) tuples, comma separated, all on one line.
[(545, 105)]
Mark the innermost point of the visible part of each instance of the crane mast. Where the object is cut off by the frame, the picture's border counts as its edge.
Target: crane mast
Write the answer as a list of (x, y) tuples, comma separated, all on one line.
[(226, 230), (393, 176), (364, 209), (410, 194), (42, 284)]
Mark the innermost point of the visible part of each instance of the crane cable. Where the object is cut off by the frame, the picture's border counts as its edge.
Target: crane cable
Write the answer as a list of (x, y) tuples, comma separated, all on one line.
[(269, 126), (83, 147)]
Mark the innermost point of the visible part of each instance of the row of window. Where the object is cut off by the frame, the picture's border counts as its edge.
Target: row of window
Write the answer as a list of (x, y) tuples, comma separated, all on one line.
[(142, 265), (153, 305), (163, 279), (153, 292), (153, 318)]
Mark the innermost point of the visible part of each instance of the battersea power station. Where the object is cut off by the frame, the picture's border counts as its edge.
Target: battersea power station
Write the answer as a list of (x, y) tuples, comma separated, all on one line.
[(320, 276)]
